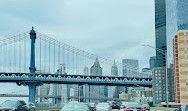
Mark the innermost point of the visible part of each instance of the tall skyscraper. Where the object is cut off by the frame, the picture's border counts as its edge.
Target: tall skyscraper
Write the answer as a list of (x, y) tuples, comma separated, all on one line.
[(96, 91), (96, 69), (171, 27), (130, 68), (182, 14), (177, 16), (113, 91), (114, 70), (160, 31), (152, 62), (180, 66)]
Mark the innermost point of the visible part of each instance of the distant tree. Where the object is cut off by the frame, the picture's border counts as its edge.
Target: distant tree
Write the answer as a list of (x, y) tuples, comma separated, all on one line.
[(150, 103)]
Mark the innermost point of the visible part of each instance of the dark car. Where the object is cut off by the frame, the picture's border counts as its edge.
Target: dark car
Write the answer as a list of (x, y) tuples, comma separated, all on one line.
[(115, 105), (13, 106)]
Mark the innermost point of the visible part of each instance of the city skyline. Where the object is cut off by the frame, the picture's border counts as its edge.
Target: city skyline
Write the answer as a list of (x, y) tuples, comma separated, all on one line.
[(88, 28)]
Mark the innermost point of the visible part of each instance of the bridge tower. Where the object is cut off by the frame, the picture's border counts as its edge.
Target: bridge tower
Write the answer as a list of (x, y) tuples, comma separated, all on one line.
[(32, 85)]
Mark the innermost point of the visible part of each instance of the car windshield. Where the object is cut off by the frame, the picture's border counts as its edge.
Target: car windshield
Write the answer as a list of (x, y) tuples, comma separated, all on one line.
[(134, 105), (9, 104), (75, 107), (145, 105), (92, 104), (103, 104), (115, 103)]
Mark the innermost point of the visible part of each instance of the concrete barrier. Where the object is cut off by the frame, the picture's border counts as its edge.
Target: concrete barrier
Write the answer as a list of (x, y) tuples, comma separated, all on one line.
[(162, 109), (48, 109)]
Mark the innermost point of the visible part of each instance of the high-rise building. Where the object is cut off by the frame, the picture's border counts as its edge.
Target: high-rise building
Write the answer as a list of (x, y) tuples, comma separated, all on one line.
[(152, 62), (113, 91), (114, 70), (182, 14), (130, 68), (160, 31), (59, 89), (96, 69), (86, 87), (159, 85), (180, 66), (171, 83), (176, 15), (86, 71), (96, 91)]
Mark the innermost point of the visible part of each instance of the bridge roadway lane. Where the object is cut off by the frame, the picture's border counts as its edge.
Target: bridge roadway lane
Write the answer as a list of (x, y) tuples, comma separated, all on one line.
[(112, 110)]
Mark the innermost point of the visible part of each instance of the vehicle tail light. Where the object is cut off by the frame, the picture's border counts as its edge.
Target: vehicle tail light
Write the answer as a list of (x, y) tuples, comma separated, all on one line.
[(142, 110), (108, 108), (127, 109), (148, 107), (118, 104), (95, 107)]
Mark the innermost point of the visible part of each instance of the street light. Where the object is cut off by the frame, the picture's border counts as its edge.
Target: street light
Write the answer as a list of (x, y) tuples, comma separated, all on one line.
[(164, 52)]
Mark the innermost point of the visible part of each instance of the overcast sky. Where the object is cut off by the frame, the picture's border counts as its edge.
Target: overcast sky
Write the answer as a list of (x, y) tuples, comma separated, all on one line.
[(114, 29)]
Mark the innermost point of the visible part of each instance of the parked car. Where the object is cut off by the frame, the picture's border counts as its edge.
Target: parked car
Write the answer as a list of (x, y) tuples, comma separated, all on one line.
[(146, 107), (103, 107), (13, 106), (184, 107), (133, 106), (31, 106), (75, 107), (115, 105), (92, 105)]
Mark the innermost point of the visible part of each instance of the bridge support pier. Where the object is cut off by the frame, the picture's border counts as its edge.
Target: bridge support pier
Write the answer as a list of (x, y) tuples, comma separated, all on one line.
[(32, 92)]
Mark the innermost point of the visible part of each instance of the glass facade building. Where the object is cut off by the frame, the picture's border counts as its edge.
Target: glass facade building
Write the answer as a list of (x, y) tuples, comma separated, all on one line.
[(160, 31), (130, 68), (182, 14), (171, 24), (177, 16), (152, 62), (176, 19)]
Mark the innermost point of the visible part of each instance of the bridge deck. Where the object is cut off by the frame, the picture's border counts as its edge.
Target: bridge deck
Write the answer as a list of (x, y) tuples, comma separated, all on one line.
[(22, 78)]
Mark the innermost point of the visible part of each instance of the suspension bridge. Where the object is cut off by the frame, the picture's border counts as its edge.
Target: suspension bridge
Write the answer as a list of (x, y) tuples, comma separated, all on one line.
[(45, 55)]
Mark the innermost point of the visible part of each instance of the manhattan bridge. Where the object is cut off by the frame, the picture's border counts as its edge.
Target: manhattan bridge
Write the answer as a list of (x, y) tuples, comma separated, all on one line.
[(32, 59)]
